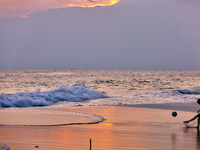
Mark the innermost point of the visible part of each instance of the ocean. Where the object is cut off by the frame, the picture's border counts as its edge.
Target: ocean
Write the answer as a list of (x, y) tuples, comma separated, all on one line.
[(57, 88)]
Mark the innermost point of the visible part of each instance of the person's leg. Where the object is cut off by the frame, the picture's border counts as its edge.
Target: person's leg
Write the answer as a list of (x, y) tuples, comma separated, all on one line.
[(195, 117), (198, 122)]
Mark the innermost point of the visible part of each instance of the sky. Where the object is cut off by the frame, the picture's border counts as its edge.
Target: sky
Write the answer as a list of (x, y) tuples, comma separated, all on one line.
[(100, 34)]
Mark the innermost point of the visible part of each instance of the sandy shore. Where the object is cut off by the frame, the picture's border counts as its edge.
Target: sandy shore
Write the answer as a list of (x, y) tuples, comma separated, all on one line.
[(44, 117), (126, 128)]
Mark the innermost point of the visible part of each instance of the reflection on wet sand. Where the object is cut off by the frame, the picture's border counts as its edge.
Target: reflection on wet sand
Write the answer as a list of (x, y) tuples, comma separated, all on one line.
[(122, 130), (191, 134)]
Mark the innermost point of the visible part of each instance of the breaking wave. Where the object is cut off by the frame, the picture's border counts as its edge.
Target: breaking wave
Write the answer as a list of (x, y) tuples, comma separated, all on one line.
[(188, 91), (75, 93)]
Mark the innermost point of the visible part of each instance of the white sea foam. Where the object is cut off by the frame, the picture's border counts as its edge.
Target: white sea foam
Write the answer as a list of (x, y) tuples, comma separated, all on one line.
[(122, 87), (75, 93), (174, 96)]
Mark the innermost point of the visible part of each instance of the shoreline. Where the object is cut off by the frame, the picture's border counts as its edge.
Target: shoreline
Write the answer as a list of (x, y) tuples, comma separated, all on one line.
[(3, 146), (43, 117), (190, 107), (75, 115), (154, 121)]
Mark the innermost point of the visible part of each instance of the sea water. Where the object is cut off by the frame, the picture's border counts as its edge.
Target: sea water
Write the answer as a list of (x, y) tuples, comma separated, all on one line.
[(28, 88)]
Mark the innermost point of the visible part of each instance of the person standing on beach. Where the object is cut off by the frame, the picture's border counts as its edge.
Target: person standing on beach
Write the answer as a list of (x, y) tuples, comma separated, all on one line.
[(195, 117)]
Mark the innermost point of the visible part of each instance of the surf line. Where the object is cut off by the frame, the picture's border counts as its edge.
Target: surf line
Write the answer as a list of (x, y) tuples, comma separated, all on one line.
[(6, 146)]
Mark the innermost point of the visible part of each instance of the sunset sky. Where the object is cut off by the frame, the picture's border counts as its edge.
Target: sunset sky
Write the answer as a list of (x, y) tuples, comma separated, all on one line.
[(100, 34), (22, 8)]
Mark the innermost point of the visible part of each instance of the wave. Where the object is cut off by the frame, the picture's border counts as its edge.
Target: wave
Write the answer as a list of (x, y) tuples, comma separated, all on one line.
[(75, 93), (188, 91)]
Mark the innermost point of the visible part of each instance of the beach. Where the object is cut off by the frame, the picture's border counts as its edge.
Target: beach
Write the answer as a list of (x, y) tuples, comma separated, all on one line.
[(125, 128)]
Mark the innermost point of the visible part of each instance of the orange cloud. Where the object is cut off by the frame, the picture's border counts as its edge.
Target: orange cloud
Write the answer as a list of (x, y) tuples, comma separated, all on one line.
[(21, 8)]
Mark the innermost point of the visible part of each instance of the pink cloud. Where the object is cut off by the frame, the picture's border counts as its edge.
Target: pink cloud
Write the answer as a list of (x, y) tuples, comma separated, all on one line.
[(195, 35), (21, 8)]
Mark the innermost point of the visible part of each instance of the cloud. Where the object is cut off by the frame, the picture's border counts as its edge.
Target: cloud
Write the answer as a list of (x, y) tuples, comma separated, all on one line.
[(11, 9), (93, 1), (102, 38), (196, 35)]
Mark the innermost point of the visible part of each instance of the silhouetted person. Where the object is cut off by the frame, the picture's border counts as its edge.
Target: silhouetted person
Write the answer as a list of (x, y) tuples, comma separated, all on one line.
[(195, 117)]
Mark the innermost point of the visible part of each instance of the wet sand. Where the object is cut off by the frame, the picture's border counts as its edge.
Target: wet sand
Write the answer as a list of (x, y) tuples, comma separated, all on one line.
[(126, 128), (3, 146), (44, 117)]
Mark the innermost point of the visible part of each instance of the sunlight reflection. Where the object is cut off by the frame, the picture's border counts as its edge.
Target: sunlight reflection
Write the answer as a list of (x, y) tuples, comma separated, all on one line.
[(107, 124), (22, 8)]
